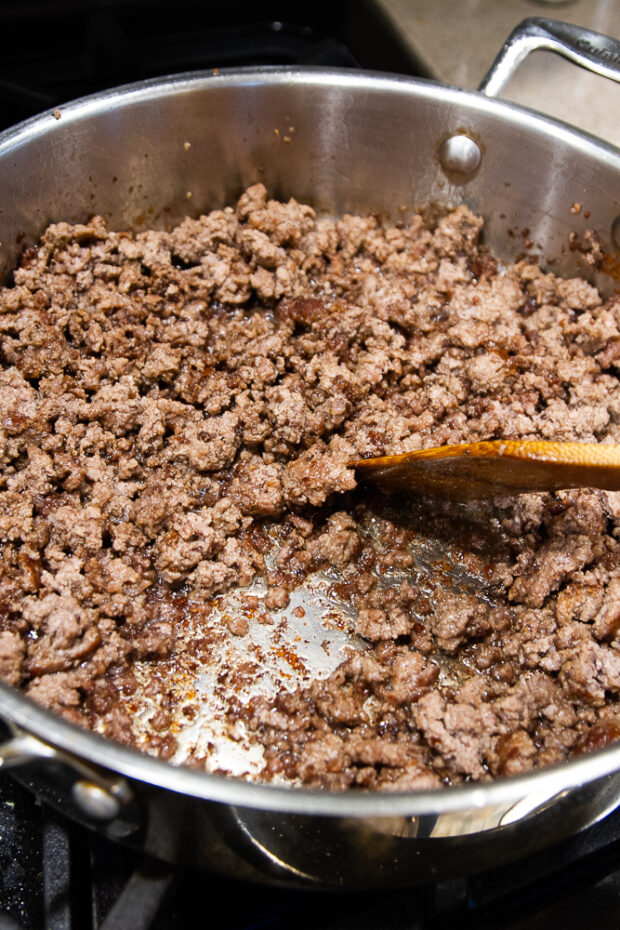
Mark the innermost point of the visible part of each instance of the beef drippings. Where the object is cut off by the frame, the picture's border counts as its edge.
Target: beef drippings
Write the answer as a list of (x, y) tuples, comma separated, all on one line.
[(173, 401)]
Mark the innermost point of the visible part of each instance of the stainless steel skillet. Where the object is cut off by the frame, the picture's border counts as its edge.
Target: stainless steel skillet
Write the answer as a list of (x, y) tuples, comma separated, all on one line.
[(345, 142)]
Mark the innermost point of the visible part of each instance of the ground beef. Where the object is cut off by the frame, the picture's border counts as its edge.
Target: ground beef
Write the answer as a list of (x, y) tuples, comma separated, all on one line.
[(175, 402)]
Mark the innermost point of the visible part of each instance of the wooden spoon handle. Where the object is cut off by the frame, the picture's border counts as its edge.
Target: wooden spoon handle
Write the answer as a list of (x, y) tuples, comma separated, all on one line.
[(480, 469)]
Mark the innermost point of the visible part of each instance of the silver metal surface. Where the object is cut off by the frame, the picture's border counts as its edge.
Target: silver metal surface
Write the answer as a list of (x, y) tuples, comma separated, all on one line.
[(459, 154), (23, 748), (94, 801), (303, 642), (277, 650), (344, 141), (590, 50)]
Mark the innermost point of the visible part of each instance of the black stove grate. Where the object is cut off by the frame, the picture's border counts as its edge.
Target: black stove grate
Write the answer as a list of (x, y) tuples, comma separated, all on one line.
[(57, 875)]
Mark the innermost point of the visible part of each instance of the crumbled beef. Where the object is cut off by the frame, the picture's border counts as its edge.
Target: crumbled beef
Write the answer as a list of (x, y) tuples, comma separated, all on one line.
[(12, 652), (176, 402), (276, 598)]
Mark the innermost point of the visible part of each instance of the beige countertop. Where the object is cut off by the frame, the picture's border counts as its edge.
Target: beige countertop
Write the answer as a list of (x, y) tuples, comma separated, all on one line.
[(458, 39)]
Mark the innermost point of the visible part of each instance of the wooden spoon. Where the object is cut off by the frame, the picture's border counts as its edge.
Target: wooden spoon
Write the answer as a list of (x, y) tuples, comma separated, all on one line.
[(482, 469)]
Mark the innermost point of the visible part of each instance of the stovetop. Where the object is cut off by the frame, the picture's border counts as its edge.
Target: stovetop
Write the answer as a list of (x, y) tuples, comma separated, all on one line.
[(57, 875), (62, 50)]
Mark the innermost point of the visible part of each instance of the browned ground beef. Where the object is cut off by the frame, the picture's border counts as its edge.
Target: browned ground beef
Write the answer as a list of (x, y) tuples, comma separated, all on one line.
[(167, 396)]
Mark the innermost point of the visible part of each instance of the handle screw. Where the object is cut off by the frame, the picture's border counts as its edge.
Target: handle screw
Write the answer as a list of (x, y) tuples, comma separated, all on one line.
[(460, 155), (95, 801)]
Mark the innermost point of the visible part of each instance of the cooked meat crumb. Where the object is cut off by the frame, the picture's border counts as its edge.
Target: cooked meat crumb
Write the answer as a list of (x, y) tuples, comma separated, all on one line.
[(170, 398)]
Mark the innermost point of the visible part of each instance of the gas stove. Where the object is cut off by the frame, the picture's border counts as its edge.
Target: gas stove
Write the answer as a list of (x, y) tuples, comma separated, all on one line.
[(59, 876), (55, 874)]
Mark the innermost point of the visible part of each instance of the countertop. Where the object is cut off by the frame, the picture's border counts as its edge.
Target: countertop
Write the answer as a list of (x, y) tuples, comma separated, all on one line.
[(457, 40)]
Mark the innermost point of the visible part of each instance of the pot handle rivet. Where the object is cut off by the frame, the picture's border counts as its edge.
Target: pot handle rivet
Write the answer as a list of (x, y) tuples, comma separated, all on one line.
[(615, 232), (460, 154), (95, 801)]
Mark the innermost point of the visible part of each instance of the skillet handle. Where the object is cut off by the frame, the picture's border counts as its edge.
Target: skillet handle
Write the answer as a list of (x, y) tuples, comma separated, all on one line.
[(98, 794), (591, 50)]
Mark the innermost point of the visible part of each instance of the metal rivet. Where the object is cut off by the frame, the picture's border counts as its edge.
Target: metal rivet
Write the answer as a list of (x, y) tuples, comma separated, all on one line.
[(94, 801), (459, 154), (615, 232)]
